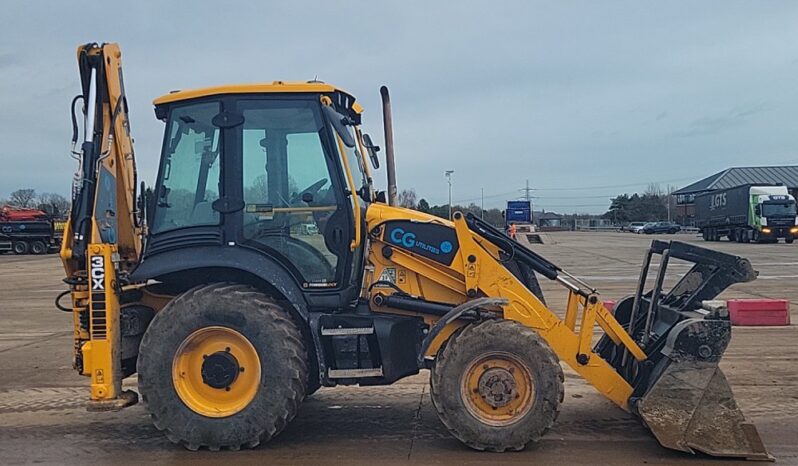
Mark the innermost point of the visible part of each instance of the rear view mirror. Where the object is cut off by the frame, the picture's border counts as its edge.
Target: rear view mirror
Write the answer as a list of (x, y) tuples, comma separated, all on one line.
[(757, 210), (372, 149), (337, 122)]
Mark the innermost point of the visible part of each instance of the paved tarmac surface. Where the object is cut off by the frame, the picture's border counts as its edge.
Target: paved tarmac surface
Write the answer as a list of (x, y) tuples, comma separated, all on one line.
[(43, 420)]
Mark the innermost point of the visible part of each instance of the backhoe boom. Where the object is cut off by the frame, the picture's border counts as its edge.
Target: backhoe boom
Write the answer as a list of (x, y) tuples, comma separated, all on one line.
[(102, 239)]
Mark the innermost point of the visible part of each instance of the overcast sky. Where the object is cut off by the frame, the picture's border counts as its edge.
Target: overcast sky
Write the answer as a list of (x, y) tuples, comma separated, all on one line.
[(584, 99)]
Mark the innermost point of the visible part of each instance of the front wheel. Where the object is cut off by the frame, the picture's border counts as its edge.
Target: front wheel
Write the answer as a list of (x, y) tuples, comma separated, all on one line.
[(222, 366), (789, 240), (497, 386)]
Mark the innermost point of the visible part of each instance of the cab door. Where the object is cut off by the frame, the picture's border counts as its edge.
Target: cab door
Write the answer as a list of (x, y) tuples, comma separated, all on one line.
[(295, 204)]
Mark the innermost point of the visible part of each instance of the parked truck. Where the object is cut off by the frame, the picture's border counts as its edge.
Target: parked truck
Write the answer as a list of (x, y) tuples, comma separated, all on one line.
[(758, 213), (27, 231), (519, 213)]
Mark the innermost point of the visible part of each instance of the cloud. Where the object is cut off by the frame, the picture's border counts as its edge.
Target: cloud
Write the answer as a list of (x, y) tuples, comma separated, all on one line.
[(713, 125), (560, 93)]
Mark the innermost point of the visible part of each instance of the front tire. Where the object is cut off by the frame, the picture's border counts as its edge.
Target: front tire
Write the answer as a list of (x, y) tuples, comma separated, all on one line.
[(497, 386), (222, 366)]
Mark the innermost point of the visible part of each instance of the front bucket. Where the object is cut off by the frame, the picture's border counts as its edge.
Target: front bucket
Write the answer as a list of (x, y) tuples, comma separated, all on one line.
[(690, 406)]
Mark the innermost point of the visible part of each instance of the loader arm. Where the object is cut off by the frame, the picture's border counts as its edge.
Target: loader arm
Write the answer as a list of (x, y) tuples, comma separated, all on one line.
[(659, 363), (102, 238)]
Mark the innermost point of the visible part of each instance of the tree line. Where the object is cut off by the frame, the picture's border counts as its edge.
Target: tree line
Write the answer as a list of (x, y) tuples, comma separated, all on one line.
[(53, 204), (407, 198), (651, 205)]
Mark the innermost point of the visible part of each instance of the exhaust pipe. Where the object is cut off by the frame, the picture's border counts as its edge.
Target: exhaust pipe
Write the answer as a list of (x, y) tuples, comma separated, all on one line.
[(390, 161)]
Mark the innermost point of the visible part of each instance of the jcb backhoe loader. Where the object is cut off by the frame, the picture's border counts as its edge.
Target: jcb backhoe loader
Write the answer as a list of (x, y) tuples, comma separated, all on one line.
[(264, 265)]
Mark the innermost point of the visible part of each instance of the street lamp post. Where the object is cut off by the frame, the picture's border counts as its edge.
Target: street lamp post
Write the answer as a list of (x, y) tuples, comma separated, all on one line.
[(448, 174)]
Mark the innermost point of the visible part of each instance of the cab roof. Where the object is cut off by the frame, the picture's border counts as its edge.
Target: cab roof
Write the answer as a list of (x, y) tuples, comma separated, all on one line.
[(314, 87)]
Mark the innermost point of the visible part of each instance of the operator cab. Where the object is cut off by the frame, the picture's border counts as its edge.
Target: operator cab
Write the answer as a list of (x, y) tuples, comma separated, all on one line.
[(275, 171)]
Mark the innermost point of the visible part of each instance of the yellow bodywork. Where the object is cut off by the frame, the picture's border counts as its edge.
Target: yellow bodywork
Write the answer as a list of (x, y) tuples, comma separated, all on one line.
[(98, 298), (312, 87), (414, 274), (419, 276)]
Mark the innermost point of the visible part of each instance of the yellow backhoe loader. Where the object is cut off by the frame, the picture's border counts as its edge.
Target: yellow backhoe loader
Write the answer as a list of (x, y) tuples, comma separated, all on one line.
[(263, 265)]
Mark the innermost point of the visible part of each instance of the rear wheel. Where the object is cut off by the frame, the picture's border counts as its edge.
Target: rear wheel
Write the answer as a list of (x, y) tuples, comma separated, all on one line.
[(38, 247), (222, 366), (20, 247), (497, 386)]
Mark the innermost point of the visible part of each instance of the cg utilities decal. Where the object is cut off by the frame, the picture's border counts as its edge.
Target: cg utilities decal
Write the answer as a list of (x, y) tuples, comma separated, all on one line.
[(429, 240)]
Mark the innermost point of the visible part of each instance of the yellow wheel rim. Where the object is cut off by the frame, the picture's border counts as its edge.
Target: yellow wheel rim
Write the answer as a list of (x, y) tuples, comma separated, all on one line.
[(216, 372), (498, 389)]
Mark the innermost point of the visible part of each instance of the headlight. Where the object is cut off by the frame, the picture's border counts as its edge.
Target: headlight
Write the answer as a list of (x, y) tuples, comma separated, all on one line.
[(766, 230), (794, 230)]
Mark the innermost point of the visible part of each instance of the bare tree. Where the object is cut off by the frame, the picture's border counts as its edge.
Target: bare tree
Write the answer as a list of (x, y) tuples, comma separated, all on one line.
[(54, 204), (654, 190), (407, 198), (23, 198)]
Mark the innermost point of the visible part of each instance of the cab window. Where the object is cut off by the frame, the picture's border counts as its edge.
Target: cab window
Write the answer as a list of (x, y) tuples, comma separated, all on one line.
[(189, 173)]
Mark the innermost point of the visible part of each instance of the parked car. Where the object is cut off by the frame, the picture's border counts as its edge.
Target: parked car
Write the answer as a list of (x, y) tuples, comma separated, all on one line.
[(633, 227), (660, 227), (308, 229)]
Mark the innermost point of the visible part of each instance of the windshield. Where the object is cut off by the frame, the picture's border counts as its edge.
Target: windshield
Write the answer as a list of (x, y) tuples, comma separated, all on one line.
[(778, 209), (190, 169), (355, 163)]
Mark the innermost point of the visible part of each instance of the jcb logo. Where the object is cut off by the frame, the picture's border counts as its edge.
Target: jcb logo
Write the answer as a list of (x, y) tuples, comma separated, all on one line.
[(717, 201), (97, 273)]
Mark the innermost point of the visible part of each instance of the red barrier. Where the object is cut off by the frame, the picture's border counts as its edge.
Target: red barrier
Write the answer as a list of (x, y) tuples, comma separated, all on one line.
[(759, 311)]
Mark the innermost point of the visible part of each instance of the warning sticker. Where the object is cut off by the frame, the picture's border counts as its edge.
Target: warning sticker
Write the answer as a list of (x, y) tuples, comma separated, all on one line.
[(388, 275)]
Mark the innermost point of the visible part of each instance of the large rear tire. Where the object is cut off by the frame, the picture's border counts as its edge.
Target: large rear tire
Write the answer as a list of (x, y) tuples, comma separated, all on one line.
[(222, 366), (497, 386)]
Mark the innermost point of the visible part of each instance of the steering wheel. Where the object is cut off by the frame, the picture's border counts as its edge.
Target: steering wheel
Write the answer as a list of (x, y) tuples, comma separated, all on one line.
[(312, 190)]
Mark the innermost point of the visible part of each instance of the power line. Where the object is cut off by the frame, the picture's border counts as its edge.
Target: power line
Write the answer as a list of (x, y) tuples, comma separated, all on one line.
[(580, 188), (614, 185)]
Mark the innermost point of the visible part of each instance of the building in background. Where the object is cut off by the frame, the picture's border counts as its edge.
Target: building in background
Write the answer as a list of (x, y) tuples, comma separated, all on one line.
[(684, 214), (545, 219)]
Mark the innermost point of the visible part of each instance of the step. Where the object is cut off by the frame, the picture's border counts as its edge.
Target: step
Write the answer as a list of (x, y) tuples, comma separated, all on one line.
[(354, 373), (534, 238), (347, 331)]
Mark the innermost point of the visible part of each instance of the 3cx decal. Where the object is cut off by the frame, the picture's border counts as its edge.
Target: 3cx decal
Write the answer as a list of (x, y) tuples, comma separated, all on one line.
[(97, 273), (409, 240)]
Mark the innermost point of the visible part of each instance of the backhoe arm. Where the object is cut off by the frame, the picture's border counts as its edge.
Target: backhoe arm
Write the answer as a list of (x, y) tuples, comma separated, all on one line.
[(102, 239)]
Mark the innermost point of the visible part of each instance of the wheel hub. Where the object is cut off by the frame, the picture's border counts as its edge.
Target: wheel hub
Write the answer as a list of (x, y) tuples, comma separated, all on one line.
[(220, 369), (216, 371), (497, 387)]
